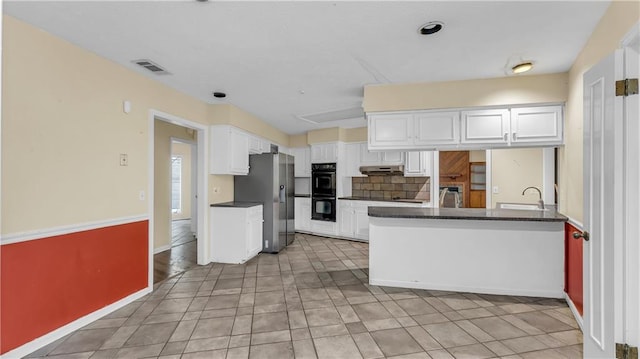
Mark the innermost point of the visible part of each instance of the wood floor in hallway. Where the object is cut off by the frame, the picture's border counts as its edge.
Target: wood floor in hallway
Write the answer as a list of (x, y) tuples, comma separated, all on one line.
[(182, 256)]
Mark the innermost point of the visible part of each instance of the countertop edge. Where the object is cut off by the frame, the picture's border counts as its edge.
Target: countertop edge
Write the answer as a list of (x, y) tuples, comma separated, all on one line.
[(489, 215), (234, 204)]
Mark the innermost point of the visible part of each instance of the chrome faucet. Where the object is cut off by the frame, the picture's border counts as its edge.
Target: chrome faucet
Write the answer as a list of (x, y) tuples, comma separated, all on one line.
[(540, 201)]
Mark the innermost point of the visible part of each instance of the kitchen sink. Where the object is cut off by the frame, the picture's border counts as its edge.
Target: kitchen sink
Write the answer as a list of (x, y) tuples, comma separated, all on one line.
[(520, 206)]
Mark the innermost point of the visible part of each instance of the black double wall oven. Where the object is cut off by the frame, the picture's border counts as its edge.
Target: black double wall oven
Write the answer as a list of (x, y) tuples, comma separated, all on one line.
[(323, 191)]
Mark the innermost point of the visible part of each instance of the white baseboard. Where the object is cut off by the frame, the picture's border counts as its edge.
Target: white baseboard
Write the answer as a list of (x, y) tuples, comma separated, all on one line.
[(51, 337), (498, 291), (161, 249), (575, 312)]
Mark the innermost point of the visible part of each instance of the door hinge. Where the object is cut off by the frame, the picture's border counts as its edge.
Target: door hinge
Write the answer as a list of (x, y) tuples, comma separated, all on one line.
[(626, 87), (624, 351)]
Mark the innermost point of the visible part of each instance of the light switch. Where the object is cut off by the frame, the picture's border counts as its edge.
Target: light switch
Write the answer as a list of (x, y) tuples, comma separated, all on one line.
[(141, 195), (496, 189), (124, 159)]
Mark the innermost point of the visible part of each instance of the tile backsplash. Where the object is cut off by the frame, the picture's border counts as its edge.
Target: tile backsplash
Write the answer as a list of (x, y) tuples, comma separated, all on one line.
[(391, 187)]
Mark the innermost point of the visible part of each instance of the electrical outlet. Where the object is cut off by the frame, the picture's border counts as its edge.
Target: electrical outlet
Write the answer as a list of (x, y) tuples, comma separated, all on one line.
[(124, 159), (216, 189)]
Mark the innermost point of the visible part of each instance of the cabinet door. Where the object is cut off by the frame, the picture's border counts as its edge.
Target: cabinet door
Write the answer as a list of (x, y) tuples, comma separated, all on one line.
[(436, 128), (255, 145), (414, 164), (536, 124), (331, 152), (353, 160), (345, 219), (297, 215), (392, 157), (324, 153), (317, 153), (485, 127), (301, 161), (254, 234), (369, 157), (239, 144), (390, 130), (361, 222), (305, 213)]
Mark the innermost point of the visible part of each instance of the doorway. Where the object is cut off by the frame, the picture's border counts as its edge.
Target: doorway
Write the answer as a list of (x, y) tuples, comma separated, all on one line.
[(168, 255)]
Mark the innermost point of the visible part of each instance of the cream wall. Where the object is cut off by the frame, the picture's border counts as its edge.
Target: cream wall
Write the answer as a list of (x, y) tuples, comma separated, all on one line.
[(477, 156), (229, 114), (63, 130), (163, 131), (184, 151), (616, 22), (469, 93), (513, 170)]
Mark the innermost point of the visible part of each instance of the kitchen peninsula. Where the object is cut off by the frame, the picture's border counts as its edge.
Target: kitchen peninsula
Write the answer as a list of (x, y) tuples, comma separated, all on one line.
[(493, 251)]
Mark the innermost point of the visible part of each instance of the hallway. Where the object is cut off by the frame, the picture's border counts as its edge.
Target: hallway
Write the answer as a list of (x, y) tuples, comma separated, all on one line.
[(182, 256)]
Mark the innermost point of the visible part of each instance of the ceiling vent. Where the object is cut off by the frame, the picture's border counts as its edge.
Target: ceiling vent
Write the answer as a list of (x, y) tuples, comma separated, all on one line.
[(151, 66), (335, 115)]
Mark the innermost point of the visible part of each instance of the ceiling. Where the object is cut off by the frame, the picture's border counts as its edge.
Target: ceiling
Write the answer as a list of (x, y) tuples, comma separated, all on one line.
[(302, 65)]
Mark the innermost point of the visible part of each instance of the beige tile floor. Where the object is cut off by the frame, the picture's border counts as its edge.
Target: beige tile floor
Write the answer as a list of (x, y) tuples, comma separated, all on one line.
[(313, 301)]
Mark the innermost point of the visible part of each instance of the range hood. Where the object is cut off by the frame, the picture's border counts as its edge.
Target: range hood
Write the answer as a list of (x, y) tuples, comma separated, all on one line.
[(393, 170)]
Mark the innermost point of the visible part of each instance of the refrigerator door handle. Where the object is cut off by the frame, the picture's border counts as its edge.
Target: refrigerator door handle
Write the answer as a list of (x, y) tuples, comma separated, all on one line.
[(283, 195)]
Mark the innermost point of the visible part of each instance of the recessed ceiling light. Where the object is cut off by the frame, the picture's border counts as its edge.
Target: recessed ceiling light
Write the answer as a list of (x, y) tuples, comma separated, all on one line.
[(431, 27), (523, 67), (219, 94)]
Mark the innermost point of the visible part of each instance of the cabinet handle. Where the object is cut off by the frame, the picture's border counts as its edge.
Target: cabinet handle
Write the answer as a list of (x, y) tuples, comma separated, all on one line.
[(505, 137), (514, 136)]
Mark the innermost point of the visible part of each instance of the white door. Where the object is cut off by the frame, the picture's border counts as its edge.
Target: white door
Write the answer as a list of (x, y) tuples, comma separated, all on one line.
[(601, 175)]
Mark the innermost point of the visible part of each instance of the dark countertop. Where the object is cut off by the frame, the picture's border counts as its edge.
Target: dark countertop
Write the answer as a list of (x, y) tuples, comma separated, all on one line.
[(237, 204), (302, 195), (467, 214), (406, 200)]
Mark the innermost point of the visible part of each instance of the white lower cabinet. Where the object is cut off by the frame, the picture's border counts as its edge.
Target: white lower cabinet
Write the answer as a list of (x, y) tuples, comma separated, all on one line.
[(353, 219), (302, 214), (345, 218), (324, 228), (236, 233), (353, 216)]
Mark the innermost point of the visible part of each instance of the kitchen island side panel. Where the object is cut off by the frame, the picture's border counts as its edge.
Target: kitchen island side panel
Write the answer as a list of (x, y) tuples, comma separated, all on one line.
[(493, 257)]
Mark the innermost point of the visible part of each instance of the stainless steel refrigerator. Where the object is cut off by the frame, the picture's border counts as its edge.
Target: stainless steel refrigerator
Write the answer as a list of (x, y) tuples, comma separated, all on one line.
[(271, 182)]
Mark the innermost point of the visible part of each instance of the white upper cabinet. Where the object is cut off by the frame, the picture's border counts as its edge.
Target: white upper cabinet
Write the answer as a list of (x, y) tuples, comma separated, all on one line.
[(353, 158), (229, 151), (480, 128), (324, 153), (302, 161), (418, 164), (436, 128), (414, 130), (368, 158), (258, 145), (390, 130), (392, 158), (357, 154), (536, 124), (485, 127)]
